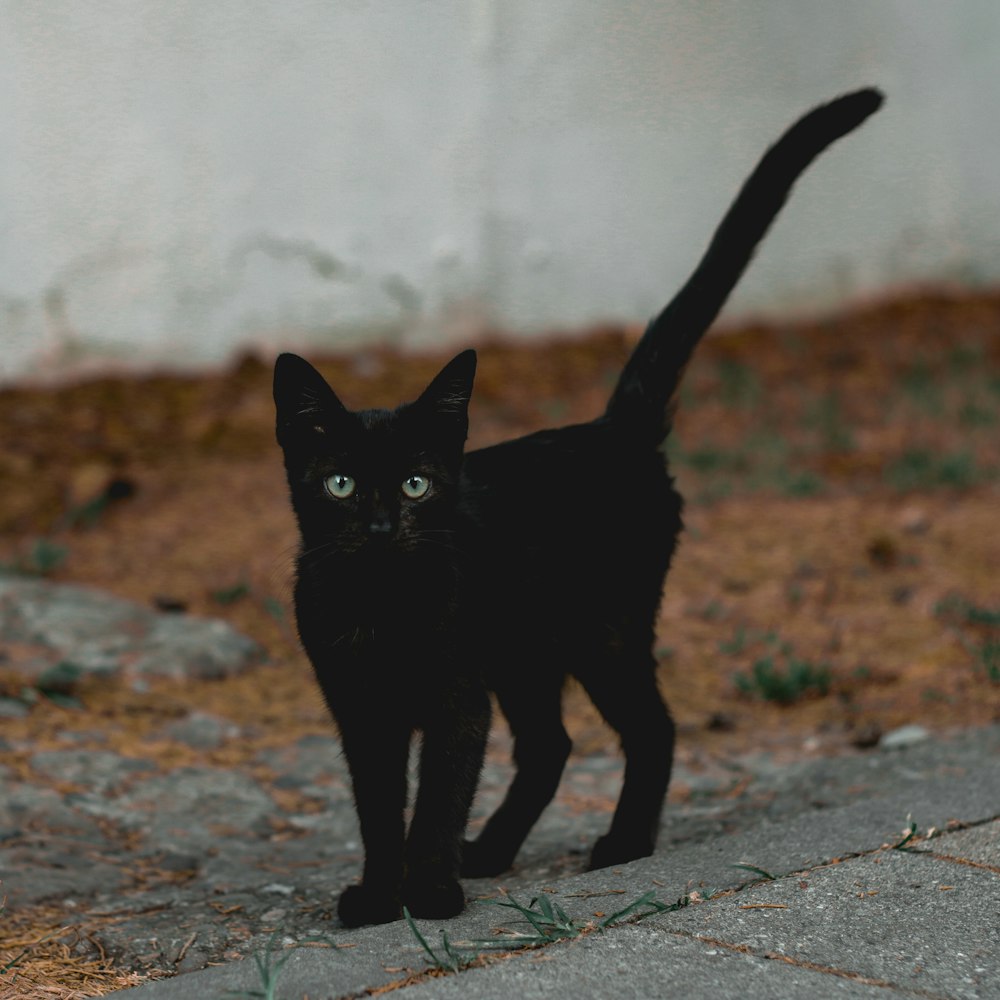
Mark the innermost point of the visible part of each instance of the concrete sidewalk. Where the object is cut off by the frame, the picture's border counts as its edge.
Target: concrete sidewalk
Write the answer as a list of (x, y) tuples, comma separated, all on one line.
[(847, 914)]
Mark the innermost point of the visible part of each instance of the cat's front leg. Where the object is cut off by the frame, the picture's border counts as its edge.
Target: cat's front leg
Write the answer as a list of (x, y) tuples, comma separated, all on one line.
[(451, 757), (377, 753)]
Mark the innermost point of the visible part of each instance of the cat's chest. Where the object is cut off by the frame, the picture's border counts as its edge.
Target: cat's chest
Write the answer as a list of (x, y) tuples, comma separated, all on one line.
[(403, 664), (390, 614)]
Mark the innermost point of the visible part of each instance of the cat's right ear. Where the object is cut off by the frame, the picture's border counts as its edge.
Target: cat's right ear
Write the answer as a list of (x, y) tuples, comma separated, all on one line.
[(302, 397)]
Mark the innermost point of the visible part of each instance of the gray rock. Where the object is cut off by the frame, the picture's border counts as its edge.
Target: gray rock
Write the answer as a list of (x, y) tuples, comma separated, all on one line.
[(82, 736), (11, 708), (95, 769), (202, 731), (26, 882), (49, 624), (23, 806), (312, 758), (191, 809), (204, 648)]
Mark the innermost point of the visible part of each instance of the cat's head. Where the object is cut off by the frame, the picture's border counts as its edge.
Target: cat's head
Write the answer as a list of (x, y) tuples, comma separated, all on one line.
[(373, 480)]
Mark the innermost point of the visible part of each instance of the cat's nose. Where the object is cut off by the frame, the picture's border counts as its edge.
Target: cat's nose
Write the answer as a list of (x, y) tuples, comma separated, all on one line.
[(380, 526)]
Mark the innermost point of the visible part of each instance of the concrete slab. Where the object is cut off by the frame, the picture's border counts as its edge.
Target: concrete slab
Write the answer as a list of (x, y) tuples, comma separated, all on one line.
[(920, 924), (861, 919), (978, 846)]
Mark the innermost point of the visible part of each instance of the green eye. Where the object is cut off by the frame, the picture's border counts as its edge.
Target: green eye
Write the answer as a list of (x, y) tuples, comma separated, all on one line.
[(416, 486), (340, 486)]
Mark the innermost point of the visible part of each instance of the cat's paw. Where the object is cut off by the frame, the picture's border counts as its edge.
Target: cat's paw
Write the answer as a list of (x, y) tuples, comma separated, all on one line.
[(434, 899), (611, 850), (482, 861), (360, 905)]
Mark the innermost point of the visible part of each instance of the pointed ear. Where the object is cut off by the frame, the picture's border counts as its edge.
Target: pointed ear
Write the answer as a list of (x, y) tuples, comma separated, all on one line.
[(301, 394), (451, 389)]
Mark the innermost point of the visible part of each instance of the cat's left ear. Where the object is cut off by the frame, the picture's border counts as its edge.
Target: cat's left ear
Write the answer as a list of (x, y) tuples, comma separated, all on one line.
[(450, 390)]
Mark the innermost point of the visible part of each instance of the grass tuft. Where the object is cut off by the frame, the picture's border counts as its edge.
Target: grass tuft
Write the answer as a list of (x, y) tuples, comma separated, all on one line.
[(797, 679), (911, 836), (275, 609), (978, 629), (550, 923), (230, 595), (986, 656), (739, 385), (743, 638), (269, 966), (826, 417), (921, 468), (960, 611), (450, 960), (42, 558)]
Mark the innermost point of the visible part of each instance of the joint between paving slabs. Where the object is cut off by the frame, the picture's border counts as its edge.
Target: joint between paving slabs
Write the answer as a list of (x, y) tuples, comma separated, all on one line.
[(909, 845), (412, 978), (968, 862), (801, 963)]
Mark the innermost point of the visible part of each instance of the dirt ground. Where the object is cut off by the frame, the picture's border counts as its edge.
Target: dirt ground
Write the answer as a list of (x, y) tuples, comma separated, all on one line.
[(837, 578), (842, 479)]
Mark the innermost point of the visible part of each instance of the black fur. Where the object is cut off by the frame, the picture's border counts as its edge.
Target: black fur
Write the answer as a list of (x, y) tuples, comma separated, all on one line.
[(522, 563)]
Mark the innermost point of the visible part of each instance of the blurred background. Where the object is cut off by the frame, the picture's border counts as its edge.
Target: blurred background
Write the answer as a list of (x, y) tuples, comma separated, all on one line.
[(187, 188), (181, 181)]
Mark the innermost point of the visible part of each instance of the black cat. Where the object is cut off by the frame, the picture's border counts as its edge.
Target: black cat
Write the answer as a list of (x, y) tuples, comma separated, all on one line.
[(427, 578)]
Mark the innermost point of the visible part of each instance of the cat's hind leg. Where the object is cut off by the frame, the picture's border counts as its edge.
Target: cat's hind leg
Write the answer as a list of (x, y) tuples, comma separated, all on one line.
[(626, 694), (533, 709)]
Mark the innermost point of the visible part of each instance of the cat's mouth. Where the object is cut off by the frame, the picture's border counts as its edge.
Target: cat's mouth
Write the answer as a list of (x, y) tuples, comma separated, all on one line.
[(379, 546)]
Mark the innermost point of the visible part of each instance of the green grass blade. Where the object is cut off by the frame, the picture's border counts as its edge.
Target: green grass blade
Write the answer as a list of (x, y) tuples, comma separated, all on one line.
[(526, 912), (909, 834), (423, 941), (757, 871), (646, 899), (545, 906)]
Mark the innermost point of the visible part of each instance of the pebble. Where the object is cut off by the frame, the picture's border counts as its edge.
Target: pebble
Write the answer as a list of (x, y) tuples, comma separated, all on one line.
[(278, 889), (913, 520), (904, 736)]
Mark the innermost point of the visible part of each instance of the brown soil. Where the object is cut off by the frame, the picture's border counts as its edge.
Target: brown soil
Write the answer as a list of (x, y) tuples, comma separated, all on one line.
[(842, 485), (841, 478)]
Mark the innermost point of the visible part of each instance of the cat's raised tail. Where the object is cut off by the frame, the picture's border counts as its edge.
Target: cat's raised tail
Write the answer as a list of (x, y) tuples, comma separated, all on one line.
[(643, 398)]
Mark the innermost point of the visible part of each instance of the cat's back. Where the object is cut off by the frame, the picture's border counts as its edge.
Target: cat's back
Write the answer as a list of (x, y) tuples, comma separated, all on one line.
[(568, 515)]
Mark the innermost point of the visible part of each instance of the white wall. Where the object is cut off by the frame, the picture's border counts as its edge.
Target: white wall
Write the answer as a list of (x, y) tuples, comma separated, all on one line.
[(180, 179)]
